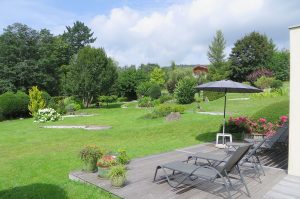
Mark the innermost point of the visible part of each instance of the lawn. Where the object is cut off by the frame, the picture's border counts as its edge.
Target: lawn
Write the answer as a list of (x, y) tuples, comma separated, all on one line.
[(35, 162)]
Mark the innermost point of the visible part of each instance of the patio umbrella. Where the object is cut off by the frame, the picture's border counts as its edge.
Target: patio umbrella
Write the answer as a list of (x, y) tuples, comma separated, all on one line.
[(227, 86)]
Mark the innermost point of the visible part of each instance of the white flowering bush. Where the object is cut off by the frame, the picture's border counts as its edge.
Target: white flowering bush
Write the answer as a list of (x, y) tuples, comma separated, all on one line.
[(47, 114)]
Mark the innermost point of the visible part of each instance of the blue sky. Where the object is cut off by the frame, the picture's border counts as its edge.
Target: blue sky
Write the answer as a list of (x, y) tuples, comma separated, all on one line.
[(158, 31)]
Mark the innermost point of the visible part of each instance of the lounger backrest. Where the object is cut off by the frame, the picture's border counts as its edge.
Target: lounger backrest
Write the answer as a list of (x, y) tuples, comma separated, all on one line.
[(272, 140), (236, 157), (283, 138), (256, 147)]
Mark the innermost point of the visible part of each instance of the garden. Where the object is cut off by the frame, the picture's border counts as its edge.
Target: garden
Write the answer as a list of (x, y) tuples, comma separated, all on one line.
[(147, 109)]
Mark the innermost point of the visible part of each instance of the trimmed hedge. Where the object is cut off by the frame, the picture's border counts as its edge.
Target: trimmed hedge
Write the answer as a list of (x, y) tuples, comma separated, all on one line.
[(14, 105), (273, 111)]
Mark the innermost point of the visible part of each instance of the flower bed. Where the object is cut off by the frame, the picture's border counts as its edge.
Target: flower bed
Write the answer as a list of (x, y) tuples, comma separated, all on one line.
[(256, 129)]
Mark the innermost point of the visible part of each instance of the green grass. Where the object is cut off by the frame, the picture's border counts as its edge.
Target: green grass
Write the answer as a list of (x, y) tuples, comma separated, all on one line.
[(272, 111), (35, 162)]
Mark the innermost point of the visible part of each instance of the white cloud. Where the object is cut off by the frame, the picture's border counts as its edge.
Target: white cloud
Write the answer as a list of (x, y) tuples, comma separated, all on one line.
[(183, 31)]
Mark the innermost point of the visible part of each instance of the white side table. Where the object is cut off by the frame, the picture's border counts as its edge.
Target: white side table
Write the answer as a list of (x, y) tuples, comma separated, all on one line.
[(223, 136)]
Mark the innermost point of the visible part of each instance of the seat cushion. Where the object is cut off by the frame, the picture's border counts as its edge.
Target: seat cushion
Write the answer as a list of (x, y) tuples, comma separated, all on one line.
[(188, 169)]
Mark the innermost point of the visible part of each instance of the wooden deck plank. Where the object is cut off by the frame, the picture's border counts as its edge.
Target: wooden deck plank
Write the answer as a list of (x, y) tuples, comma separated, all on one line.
[(288, 187)]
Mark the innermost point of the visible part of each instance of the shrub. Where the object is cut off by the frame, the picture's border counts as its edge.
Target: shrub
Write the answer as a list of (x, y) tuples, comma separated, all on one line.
[(155, 91), (145, 102), (58, 104), (21, 104), (165, 109), (264, 82), (148, 89), (48, 99), (185, 90), (1, 115), (259, 73), (164, 98), (46, 115), (144, 89), (108, 99), (36, 100), (71, 105), (276, 84), (14, 104)]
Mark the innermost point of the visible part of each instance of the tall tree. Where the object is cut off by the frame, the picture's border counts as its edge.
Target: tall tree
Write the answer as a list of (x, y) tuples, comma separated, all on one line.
[(280, 64), (78, 36), (215, 53), (28, 58), (250, 53), (90, 74)]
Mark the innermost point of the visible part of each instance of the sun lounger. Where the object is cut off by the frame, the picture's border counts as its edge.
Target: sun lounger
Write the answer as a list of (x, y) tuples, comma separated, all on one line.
[(209, 173)]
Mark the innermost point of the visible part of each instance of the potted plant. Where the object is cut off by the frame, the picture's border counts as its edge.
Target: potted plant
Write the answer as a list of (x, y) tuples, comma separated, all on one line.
[(89, 155), (117, 176), (104, 164), (122, 157)]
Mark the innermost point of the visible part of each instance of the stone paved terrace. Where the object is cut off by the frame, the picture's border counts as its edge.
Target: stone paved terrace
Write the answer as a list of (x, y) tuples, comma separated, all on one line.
[(141, 171)]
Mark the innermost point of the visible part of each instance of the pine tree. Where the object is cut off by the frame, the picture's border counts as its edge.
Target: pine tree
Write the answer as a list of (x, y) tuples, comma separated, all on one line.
[(215, 53)]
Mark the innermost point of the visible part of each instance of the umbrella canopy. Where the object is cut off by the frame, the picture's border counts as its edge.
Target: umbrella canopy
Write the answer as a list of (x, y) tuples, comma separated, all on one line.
[(227, 86)]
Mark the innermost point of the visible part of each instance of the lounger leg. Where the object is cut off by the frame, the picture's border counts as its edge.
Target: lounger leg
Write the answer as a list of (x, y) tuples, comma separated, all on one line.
[(226, 186), (243, 181), (158, 167), (259, 163)]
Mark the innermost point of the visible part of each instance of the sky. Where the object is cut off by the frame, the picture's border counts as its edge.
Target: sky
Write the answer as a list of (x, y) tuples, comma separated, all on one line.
[(158, 31)]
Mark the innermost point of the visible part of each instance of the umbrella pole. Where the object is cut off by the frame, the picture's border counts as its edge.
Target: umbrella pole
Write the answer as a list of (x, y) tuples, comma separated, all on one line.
[(224, 118)]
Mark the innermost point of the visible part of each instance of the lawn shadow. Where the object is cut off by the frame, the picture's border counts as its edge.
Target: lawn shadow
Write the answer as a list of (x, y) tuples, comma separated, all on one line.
[(207, 137), (34, 191)]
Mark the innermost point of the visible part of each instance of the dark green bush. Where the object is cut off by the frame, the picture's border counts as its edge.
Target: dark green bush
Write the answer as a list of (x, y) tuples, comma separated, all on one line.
[(58, 104), (185, 90), (211, 96), (143, 89), (276, 84), (145, 102), (48, 99), (14, 105), (155, 91), (148, 89), (1, 115)]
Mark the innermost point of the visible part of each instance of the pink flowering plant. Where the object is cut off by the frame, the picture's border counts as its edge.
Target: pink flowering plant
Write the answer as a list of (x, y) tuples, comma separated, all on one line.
[(244, 125)]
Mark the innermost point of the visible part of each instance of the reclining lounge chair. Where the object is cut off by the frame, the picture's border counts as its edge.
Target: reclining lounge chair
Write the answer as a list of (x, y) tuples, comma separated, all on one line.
[(209, 173)]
